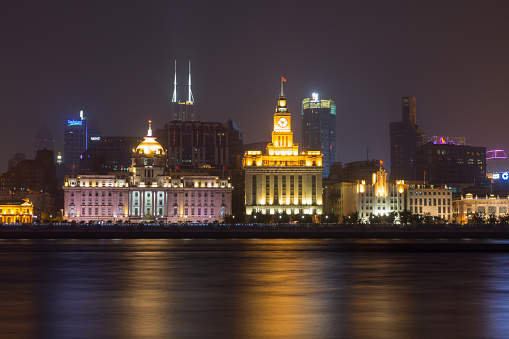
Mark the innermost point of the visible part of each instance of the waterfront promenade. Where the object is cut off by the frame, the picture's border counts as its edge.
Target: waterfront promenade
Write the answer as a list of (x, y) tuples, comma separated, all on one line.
[(249, 231)]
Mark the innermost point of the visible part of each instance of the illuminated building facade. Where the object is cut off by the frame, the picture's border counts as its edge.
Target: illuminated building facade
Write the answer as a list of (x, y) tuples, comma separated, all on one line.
[(95, 197), (440, 164), (405, 137), (282, 180), (183, 110), (16, 211), (380, 197), (76, 138), (427, 199), (319, 129), (149, 194), (202, 144), (465, 206), (340, 198)]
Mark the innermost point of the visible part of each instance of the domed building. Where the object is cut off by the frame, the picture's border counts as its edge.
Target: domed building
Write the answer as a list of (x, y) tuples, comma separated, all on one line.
[(148, 167), (150, 193)]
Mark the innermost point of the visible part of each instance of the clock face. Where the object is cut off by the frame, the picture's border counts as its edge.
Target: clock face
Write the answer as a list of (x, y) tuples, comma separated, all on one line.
[(282, 122)]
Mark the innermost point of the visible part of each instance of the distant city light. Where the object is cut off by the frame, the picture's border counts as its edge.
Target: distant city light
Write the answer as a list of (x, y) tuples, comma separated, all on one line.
[(314, 97)]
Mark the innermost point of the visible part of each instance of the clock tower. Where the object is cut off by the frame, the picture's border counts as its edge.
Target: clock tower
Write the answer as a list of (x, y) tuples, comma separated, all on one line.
[(282, 180), (282, 135)]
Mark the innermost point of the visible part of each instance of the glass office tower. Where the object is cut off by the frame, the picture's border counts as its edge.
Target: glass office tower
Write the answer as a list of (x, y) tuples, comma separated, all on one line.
[(319, 129)]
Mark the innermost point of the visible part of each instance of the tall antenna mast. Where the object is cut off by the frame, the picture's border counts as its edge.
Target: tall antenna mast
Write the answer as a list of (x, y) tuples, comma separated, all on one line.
[(190, 94), (282, 80), (174, 99)]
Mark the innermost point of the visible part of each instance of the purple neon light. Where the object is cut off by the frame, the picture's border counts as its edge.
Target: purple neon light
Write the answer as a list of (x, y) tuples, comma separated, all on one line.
[(496, 154)]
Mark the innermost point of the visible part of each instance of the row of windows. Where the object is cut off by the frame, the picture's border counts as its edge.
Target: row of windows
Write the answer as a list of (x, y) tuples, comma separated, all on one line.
[(418, 209), (491, 209), (95, 211), (429, 193), (428, 201)]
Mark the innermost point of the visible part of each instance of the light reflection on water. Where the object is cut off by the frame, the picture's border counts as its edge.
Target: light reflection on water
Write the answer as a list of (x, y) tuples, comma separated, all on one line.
[(249, 289)]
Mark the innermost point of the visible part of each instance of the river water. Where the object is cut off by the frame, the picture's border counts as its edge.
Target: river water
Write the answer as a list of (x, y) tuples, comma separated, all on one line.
[(249, 289)]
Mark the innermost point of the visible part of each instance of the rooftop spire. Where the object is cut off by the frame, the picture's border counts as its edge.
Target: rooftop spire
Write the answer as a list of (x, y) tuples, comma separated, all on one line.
[(190, 94), (149, 133), (174, 99)]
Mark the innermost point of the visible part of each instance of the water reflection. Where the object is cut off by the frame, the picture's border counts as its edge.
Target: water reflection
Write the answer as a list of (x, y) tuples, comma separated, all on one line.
[(248, 289)]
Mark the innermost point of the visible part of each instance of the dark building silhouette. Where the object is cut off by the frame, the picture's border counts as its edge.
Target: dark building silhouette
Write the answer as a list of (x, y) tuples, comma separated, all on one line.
[(319, 129), (16, 160), (354, 171), (405, 137), (108, 154), (446, 164), (32, 175), (43, 140), (194, 144)]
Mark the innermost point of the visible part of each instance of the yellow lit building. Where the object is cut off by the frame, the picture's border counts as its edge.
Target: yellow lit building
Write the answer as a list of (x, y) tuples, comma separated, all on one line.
[(380, 197), (16, 211), (465, 206), (282, 180)]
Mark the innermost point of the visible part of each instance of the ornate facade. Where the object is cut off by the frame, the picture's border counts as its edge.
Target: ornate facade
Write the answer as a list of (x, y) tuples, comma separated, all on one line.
[(149, 194), (282, 180), (16, 211), (465, 206)]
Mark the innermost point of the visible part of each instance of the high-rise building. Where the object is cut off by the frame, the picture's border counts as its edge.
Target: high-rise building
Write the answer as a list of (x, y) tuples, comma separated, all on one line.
[(183, 110), (108, 154), (76, 137), (319, 129), (192, 144), (440, 164), (282, 180), (43, 140), (405, 137)]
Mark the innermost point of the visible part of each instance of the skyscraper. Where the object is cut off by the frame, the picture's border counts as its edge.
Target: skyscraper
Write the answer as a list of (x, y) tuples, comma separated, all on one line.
[(198, 144), (319, 129), (43, 139), (183, 110), (76, 138), (405, 137)]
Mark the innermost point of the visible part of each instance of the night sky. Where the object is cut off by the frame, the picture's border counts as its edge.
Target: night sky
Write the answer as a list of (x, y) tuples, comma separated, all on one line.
[(114, 60)]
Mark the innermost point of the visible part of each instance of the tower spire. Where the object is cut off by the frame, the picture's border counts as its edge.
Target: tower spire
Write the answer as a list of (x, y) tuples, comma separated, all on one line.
[(174, 99), (190, 94), (149, 133), (282, 80)]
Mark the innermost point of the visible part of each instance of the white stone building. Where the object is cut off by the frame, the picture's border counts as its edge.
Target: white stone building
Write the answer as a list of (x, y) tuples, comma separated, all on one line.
[(149, 194)]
